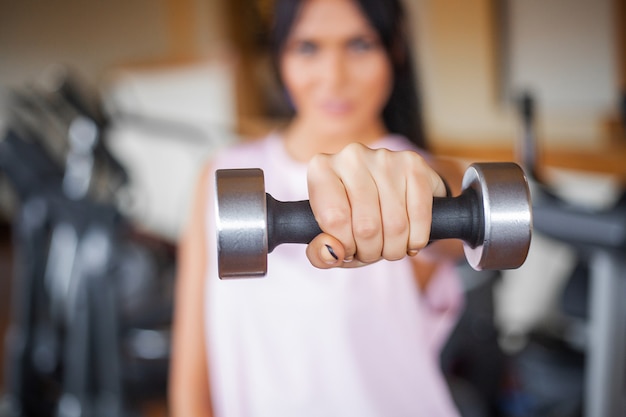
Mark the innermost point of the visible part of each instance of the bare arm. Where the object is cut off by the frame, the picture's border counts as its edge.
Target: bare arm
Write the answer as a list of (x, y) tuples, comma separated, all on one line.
[(188, 383)]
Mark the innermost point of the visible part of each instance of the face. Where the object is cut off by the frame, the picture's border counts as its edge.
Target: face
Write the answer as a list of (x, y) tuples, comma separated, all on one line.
[(335, 69)]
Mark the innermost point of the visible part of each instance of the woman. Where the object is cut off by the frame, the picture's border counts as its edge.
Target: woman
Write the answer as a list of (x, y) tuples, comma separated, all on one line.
[(326, 338)]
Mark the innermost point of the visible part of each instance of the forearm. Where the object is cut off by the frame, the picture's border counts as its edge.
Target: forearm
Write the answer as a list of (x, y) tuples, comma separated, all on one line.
[(185, 400), (189, 390)]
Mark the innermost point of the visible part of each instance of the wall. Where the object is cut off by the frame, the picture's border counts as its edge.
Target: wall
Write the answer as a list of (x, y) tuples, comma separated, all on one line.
[(565, 51), (94, 36), (459, 69), (89, 35), (475, 54), (468, 55)]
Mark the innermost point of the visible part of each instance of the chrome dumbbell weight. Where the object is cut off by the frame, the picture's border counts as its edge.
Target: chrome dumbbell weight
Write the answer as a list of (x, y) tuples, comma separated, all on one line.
[(492, 216)]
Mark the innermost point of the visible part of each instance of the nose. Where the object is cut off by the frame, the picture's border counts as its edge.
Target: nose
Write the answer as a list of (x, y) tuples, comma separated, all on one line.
[(333, 71)]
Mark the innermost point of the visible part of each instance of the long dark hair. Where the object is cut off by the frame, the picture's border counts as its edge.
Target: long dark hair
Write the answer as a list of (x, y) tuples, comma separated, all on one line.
[(402, 113)]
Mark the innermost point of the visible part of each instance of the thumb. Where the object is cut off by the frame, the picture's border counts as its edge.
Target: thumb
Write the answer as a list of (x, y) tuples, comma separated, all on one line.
[(324, 252)]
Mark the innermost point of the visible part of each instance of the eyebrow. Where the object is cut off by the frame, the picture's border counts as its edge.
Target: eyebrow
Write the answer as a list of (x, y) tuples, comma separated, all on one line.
[(368, 33)]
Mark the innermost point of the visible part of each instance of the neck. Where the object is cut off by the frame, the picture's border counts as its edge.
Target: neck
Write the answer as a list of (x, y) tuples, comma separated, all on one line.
[(303, 140)]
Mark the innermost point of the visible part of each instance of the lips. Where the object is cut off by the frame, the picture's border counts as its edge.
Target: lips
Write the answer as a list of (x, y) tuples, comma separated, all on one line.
[(335, 107)]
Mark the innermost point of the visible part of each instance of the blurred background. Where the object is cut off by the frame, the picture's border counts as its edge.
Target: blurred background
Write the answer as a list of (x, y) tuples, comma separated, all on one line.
[(109, 109)]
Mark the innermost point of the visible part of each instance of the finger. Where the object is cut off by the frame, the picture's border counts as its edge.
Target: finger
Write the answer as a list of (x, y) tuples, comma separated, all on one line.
[(329, 201), (363, 194), (419, 197), (324, 252), (392, 186)]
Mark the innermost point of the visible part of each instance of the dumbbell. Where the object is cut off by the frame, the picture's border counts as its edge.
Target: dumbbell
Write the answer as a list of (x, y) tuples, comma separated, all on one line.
[(492, 216)]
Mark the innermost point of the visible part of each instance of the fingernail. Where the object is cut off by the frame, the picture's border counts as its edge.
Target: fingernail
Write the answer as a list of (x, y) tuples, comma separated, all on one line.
[(333, 256), (412, 252), (348, 258)]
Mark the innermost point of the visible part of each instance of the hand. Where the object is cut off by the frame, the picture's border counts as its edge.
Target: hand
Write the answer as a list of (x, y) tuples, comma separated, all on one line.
[(371, 205)]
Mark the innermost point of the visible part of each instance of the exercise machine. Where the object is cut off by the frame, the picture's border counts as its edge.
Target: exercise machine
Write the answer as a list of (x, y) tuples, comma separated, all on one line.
[(90, 293)]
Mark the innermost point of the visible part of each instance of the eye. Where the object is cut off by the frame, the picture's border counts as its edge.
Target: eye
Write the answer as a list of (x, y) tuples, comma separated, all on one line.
[(361, 45), (305, 47)]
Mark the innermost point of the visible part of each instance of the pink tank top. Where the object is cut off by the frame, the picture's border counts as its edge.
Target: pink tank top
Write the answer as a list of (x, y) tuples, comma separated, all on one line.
[(308, 342)]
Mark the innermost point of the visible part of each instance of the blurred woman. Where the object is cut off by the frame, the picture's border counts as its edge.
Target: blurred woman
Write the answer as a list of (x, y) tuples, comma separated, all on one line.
[(346, 333)]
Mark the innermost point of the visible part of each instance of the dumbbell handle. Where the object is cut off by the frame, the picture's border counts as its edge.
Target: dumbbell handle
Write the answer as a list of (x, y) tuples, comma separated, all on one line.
[(452, 218)]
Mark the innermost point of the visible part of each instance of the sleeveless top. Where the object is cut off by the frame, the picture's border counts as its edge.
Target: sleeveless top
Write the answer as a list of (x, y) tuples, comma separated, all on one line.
[(304, 342)]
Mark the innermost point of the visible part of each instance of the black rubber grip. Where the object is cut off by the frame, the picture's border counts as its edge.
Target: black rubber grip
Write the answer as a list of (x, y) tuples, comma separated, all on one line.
[(459, 217), (289, 222), (452, 218)]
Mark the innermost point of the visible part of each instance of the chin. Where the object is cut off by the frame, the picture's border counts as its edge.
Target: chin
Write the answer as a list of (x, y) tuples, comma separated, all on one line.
[(340, 127)]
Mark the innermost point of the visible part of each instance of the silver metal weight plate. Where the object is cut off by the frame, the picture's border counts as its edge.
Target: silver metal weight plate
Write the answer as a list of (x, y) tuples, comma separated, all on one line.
[(241, 220), (503, 189)]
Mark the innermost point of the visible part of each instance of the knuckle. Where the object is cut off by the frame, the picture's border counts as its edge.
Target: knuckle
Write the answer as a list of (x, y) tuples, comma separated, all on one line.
[(419, 242), (319, 162), (386, 160), (414, 162), (396, 225), (385, 156), (366, 228), (351, 157), (332, 218), (355, 148)]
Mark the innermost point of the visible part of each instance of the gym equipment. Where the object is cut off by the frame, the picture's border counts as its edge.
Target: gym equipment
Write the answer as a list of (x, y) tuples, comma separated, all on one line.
[(88, 290), (492, 216), (600, 236)]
